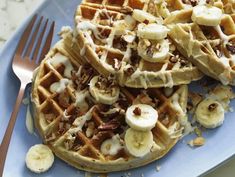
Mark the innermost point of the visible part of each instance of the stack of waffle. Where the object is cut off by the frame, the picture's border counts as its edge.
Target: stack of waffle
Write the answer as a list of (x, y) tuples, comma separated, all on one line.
[(113, 95)]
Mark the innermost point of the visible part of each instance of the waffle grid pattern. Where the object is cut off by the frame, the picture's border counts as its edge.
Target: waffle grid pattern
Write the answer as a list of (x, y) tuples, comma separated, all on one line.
[(102, 40), (75, 131)]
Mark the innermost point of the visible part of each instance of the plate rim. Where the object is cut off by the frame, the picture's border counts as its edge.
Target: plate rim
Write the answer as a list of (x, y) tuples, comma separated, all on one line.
[(19, 30)]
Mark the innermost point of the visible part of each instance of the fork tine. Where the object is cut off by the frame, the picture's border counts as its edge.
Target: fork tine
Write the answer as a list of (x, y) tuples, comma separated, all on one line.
[(35, 53), (31, 43), (47, 44), (23, 39)]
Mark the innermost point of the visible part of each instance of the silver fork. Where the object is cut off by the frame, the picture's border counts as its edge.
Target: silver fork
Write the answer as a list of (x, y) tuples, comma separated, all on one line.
[(23, 65)]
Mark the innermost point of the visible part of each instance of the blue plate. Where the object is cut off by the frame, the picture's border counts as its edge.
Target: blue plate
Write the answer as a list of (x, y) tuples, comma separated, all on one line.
[(182, 161)]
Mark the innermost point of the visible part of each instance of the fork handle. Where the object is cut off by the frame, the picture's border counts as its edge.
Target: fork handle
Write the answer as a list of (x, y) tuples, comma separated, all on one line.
[(7, 136)]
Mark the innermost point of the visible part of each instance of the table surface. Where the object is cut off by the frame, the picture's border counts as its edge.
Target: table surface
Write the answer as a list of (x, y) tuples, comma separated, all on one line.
[(9, 23)]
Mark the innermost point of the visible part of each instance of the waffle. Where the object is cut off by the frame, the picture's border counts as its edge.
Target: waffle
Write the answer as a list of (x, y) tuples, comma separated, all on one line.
[(211, 49), (74, 125), (229, 7), (106, 37)]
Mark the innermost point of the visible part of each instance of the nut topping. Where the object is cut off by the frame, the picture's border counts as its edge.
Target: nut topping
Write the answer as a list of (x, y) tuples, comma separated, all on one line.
[(127, 10), (212, 106), (137, 111), (231, 48), (129, 71), (111, 125), (173, 59), (64, 99), (191, 2), (199, 141)]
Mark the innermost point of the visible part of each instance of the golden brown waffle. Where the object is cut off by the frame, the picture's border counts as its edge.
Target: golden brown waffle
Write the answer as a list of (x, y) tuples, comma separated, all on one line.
[(229, 6), (209, 48), (74, 125), (180, 11), (106, 37)]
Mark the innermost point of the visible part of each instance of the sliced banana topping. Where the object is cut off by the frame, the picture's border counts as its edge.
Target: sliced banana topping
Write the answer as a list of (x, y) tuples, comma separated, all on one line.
[(138, 143), (141, 117), (39, 158), (210, 113), (206, 15), (103, 90), (153, 51), (152, 31), (142, 16)]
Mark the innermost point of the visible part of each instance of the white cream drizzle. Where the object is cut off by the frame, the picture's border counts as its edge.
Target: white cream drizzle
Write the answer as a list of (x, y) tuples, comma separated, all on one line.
[(182, 116), (65, 116), (87, 25), (80, 122), (65, 30), (111, 146), (174, 130), (176, 66), (60, 86), (202, 2), (105, 64), (114, 110), (223, 36), (170, 82), (81, 99), (223, 77), (61, 59), (166, 76), (29, 121), (88, 42), (225, 61), (176, 104), (127, 53), (79, 72), (111, 38)]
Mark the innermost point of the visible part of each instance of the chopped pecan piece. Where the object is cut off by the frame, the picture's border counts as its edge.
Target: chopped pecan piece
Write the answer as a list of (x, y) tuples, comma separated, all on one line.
[(173, 59), (231, 48), (64, 99), (90, 129), (129, 71), (143, 98), (150, 51), (111, 125), (137, 111), (212, 106), (191, 2), (126, 10), (199, 141)]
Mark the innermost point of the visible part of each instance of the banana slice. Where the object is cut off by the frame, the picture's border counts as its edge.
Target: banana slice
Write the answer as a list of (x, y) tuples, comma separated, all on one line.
[(39, 158), (141, 16), (207, 15), (210, 113), (138, 143), (141, 117), (102, 92), (152, 31), (157, 51)]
